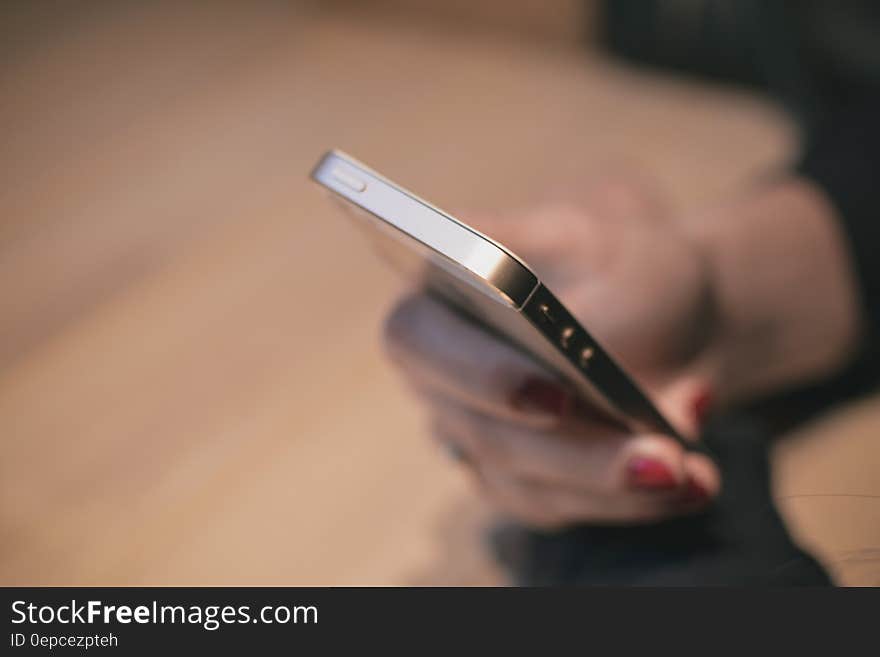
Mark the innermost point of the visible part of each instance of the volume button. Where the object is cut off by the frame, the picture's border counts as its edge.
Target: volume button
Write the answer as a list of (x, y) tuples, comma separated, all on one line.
[(565, 336), (586, 356)]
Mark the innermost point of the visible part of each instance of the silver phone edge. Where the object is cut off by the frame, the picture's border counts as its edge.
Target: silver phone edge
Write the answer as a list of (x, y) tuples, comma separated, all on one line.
[(496, 265)]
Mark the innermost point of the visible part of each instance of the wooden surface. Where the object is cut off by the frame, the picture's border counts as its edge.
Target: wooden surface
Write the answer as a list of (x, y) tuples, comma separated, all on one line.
[(191, 389)]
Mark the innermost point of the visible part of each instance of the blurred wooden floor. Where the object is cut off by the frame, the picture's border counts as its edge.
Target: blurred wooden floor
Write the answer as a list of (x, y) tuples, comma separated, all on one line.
[(191, 390)]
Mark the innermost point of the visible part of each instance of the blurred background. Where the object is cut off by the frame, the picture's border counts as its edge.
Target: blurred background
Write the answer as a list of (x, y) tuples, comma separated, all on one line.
[(191, 386)]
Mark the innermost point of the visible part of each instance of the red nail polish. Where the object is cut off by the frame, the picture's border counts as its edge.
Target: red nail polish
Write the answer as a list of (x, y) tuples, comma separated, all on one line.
[(541, 396), (694, 493), (645, 472), (702, 404)]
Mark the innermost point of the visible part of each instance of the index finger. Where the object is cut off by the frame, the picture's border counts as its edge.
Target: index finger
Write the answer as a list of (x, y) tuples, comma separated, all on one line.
[(455, 357)]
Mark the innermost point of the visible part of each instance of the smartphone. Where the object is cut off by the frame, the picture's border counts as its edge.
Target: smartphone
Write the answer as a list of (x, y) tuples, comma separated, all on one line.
[(484, 280)]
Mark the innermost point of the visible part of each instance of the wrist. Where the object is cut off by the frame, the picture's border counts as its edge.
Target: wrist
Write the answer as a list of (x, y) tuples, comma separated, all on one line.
[(787, 305)]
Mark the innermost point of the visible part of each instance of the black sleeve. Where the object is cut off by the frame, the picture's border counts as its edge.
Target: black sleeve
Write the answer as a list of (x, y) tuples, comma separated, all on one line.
[(842, 155)]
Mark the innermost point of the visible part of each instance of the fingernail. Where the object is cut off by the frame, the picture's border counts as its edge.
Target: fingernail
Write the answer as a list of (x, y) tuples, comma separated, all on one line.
[(702, 404), (645, 472), (694, 492), (541, 396)]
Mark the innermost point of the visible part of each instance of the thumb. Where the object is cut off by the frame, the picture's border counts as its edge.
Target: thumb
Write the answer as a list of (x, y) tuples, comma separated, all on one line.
[(686, 401)]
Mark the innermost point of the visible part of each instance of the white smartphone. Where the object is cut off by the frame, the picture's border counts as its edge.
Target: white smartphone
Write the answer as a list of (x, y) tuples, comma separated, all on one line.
[(485, 281)]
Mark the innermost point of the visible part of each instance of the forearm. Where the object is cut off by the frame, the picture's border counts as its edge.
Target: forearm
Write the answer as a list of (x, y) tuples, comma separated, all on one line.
[(788, 310)]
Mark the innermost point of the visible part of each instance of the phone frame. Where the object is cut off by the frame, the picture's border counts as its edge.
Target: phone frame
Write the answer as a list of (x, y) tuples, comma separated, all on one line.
[(469, 254)]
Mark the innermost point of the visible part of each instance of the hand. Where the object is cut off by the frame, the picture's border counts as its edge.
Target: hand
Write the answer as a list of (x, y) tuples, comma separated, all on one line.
[(537, 451)]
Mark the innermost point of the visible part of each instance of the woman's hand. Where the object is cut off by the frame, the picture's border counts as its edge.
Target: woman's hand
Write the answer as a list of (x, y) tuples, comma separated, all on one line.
[(537, 451)]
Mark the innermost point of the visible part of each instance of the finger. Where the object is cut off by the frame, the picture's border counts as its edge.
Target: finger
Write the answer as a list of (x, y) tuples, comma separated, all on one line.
[(571, 507), (703, 481), (442, 351), (566, 496), (582, 455), (686, 403), (683, 401), (448, 444), (550, 506), (516, 500)]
